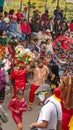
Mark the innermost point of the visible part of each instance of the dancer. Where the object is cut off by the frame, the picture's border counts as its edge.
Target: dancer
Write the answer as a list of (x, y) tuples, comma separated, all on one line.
[(18, 105)]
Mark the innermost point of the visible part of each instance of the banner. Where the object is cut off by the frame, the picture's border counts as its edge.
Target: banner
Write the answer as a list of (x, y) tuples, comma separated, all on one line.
[(1, 3), (69, 1)]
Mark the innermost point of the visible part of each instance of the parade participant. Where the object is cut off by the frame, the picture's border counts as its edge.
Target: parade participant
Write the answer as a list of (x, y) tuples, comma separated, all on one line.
[(64, 92), (40, 73), (18, 105), (50, 115), (18, 75)]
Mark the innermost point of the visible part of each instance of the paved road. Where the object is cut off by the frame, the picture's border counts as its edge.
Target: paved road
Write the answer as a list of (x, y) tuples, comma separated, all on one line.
[(28, 117)]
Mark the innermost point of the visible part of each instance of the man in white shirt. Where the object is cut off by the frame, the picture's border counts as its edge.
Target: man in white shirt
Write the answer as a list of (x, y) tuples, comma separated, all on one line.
[(50, 115)]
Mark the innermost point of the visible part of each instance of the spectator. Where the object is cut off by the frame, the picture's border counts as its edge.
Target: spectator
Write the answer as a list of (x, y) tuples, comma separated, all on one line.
[(71, 26), (45, 16), (25, 13), (25, 28), (35, 16), (19, 14)]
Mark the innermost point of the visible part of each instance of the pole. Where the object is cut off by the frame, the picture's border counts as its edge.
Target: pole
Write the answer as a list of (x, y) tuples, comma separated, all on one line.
[(57, 2), (28, 10), (65, 8), (20, 5), (45, 4)]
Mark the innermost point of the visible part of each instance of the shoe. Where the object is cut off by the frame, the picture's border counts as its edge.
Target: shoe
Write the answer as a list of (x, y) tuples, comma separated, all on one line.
[(30, 109)]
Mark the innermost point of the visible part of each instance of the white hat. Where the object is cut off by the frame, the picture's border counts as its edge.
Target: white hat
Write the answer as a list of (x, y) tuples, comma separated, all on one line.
[(48, 30), (7, 20)]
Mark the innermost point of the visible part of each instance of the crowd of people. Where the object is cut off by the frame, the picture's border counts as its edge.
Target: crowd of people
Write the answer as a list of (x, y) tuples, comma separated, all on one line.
[(39, 52)]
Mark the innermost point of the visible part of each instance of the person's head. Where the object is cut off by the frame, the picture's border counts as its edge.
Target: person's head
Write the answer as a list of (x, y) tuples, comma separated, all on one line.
[(43, 92), (46, 11), (14, 19), (3, 33), (19, 21), (25, 9), (57, 92), (19, 94), (24, 43), (48, 41), (25, 21), (41, 63)]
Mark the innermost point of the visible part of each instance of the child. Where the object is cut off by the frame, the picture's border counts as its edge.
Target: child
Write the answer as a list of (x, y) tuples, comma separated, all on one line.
[(17, 105)]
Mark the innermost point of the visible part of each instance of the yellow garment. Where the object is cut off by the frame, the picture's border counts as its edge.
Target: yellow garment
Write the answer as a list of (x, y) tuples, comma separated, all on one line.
[(71, 124), (58, 99)]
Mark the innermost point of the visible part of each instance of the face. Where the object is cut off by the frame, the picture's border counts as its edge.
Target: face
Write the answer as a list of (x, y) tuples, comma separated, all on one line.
[(41, 97), (19, 96), (24, 44), (40, 65)]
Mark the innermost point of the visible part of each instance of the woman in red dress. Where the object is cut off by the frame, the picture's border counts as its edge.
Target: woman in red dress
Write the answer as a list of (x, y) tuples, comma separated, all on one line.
[(18, 105)]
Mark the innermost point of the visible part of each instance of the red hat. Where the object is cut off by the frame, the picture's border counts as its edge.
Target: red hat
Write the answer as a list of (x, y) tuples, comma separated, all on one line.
[(57, 92), (14, 18)]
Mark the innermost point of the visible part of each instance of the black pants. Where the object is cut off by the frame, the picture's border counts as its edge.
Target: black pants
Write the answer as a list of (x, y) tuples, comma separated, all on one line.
[(2, 94)]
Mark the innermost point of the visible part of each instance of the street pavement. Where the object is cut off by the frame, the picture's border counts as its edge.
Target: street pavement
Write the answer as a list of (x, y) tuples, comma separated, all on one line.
[(28, 116)]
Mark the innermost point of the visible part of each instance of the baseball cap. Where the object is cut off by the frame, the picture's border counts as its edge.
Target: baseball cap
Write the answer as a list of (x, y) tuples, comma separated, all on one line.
[(43, 88), (48, 30)]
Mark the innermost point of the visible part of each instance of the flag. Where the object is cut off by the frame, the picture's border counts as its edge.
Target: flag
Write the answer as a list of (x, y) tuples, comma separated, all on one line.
[(69, 1)]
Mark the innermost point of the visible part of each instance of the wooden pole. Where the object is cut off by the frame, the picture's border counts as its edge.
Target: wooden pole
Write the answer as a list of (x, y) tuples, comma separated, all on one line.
[(45, 4), (28, 10), (57, 2), (21, 5)]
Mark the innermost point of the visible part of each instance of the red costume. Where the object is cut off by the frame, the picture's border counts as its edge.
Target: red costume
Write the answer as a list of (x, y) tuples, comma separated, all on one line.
[(19, 78), (67, 120), (20, 106), (25, 28)]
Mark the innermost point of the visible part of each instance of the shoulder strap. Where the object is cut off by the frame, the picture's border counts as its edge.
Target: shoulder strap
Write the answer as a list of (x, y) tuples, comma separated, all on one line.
[(54, 105)]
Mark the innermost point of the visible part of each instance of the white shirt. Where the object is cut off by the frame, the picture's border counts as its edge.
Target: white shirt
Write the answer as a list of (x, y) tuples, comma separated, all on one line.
[(7, 64), (50, 48), (49, 113)]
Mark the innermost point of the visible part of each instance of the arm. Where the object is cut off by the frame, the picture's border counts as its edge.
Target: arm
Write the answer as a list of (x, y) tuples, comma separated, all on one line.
[(24, 107), (10, 106), (59, 125), (43, 124), (12, 75)]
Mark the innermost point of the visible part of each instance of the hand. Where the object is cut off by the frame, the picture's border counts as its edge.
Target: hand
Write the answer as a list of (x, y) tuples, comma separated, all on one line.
[(33, 125), (22, 109), (16, 111)]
